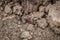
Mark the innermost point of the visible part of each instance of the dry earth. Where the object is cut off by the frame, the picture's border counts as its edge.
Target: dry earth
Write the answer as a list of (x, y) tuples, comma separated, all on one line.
[(29, 19)]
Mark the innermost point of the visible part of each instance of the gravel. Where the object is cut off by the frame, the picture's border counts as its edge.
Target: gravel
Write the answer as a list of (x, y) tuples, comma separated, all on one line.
[(29, 19)]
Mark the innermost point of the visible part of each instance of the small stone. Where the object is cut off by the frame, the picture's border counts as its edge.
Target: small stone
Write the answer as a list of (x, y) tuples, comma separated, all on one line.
[(25, 34), (38, 14), (42, 23), (42, 8), (24, 18), (7, 9), (48, 7), (46, 2), (30, 27), (17, 9)]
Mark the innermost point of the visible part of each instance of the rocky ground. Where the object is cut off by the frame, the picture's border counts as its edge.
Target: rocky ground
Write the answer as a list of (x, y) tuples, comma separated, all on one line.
[(29, 19)]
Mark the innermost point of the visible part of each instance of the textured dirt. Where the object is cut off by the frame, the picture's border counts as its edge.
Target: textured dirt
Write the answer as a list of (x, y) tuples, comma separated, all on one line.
[(29, 19)]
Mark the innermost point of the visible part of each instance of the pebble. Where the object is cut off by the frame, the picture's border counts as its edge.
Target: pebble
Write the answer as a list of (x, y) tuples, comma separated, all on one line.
[(42, 23), (30, 27), (7, 9), (38, 14), (42, 8), (47, 8), (24, 18), (17, 9), (25, 34)]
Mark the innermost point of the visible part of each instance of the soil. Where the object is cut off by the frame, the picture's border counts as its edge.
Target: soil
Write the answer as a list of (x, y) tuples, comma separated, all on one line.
[(29, 19)]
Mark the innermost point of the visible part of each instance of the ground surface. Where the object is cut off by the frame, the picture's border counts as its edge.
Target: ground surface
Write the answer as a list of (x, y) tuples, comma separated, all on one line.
[(29, 19)]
